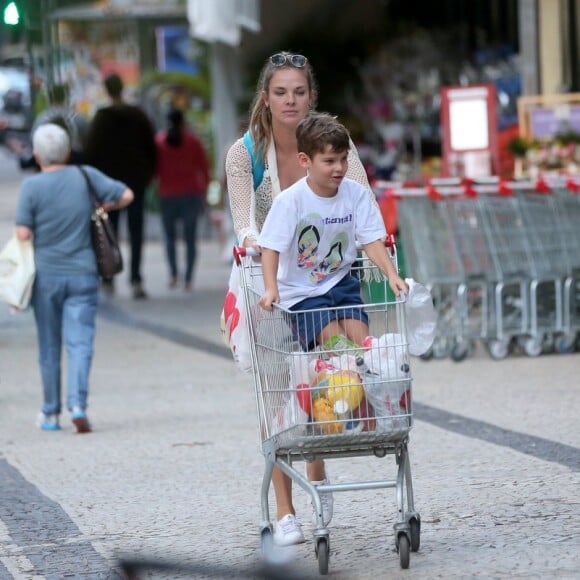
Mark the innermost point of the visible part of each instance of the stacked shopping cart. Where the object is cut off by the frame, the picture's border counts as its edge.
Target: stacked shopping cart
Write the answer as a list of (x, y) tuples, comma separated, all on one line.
[(502, 260)]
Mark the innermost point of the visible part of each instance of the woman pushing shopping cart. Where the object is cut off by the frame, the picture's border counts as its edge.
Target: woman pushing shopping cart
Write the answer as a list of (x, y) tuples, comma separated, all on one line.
[(334, 400), (330, 363)]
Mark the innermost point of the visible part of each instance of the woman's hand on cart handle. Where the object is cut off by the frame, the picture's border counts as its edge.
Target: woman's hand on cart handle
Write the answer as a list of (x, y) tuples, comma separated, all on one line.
[(269, 298), (242, 251)]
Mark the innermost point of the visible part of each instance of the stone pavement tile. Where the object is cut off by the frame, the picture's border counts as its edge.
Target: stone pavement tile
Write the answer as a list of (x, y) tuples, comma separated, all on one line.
[(530, 395), (173, 471)]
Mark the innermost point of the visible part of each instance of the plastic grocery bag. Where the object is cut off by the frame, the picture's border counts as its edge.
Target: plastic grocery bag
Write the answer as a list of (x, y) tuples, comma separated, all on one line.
[(421, 318), (17, 272), (233, 322)]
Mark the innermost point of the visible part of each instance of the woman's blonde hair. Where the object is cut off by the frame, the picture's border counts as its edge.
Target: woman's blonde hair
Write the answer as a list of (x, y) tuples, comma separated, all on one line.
[(260, 125)]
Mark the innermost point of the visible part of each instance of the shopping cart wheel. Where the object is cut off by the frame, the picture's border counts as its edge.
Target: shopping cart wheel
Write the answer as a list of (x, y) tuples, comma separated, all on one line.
[(404, 551), (415, 531), (497, 349), (533, 346), (565, 343), (441, 347), (460, 351), (323, 555)]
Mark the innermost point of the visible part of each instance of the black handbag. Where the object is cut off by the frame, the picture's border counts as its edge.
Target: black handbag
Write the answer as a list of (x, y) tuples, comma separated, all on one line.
[(107, 251)]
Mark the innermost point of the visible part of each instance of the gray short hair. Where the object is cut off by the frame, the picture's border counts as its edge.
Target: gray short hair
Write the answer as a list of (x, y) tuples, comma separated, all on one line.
[(51, 144)]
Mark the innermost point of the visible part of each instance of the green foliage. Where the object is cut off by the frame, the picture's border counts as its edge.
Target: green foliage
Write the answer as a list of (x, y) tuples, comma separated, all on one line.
[(197, 85), (568, 138), (518, 146)]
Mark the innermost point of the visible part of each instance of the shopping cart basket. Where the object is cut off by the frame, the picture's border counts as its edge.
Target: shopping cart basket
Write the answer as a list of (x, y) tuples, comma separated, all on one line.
[(511, 260), (550, 266), (431, 257), (336, 401), (568, 205)]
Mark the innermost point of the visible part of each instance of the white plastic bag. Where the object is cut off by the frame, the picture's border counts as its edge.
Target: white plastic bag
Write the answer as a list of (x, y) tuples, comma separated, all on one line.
[(17, 272), (233, 322), (421, 318)]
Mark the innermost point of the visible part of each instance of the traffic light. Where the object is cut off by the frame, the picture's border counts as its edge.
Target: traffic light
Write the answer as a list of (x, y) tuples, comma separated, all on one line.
[(11, 14)]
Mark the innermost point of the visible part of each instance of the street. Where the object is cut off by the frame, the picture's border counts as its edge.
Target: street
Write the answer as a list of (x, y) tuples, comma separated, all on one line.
[(172, 471)]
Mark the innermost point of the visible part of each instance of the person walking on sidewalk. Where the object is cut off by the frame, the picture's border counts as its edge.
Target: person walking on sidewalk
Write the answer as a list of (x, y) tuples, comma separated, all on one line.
[(121, 143), (59, 112), (54, 210), (182, 180), (258, 166)]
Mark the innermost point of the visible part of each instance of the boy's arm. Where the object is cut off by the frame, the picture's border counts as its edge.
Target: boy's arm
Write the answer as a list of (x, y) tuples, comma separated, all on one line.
[(378, 254), (270, 274)]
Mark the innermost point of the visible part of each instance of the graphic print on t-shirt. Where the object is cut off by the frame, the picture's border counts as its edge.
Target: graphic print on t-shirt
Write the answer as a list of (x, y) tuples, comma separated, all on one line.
[(332, 260), (308, 238), (316, 234)]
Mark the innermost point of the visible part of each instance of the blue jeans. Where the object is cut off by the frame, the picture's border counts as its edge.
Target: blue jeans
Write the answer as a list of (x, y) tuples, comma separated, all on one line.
[(186, 209), (325, 308), (65, 307)]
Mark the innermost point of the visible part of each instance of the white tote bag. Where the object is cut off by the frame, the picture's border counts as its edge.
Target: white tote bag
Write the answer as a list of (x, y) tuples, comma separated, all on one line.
[(17, 272)]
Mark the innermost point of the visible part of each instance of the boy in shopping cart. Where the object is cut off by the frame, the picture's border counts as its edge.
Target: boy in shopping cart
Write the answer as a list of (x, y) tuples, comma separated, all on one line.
[(309, 244), (309, 239)]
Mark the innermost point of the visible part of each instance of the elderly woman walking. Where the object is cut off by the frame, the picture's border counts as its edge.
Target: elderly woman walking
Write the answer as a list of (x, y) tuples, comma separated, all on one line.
[(54, 210)]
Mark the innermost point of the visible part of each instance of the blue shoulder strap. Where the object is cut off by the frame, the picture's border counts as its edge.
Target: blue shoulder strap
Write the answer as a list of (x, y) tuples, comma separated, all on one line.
[(258, 166)]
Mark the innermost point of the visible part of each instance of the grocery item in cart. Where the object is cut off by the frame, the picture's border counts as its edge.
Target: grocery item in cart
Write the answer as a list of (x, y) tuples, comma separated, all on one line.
[(342, 389), (386, 356), (323, 413), (386, 380)]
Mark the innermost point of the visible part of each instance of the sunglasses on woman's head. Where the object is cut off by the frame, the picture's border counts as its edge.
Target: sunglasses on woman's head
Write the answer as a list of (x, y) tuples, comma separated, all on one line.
[(280, 59)]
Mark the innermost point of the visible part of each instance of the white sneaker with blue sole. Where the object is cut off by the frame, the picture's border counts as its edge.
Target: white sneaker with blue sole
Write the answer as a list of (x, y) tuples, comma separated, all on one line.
[(48, 422)]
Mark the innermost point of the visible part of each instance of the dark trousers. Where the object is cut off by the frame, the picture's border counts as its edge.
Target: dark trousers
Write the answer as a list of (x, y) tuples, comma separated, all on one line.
[(186, 209), (135, 225)]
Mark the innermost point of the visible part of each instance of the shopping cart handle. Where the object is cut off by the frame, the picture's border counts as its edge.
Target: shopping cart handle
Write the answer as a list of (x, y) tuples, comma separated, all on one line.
[(241, 252)]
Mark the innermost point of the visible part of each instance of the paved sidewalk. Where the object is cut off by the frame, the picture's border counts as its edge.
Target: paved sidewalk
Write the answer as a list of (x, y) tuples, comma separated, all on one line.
[(173, 469)]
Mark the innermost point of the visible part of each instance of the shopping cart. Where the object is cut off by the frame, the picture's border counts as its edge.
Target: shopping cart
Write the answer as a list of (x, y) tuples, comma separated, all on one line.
[(339, 400), (567, 198), (431, 256), (466, 224), (549, 268)]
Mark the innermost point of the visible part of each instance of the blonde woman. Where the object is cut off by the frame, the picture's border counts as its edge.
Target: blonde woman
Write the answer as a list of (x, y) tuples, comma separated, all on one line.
[(259, 166)]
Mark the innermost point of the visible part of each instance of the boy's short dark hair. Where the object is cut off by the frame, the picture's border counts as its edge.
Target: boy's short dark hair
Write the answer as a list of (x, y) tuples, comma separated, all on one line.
[(113, 85), (319, 130)]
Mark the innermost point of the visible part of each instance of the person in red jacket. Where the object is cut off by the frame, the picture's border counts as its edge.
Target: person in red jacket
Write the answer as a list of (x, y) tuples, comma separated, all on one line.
[(182, 180)]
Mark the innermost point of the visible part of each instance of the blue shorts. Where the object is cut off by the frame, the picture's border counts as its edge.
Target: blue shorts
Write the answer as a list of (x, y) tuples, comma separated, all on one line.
[(330, 306)]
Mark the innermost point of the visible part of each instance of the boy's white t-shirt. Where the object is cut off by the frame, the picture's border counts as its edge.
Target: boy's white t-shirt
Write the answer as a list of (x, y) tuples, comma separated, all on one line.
[(316, 236)]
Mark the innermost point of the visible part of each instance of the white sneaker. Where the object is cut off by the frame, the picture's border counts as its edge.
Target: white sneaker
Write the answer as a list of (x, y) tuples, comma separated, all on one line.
[(288, 531), (327, 501)]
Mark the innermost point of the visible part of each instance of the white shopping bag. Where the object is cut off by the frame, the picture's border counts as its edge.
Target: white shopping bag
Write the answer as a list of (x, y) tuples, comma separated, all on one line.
[(233, 320), (17, 272), (421, 318), (234, 324)]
